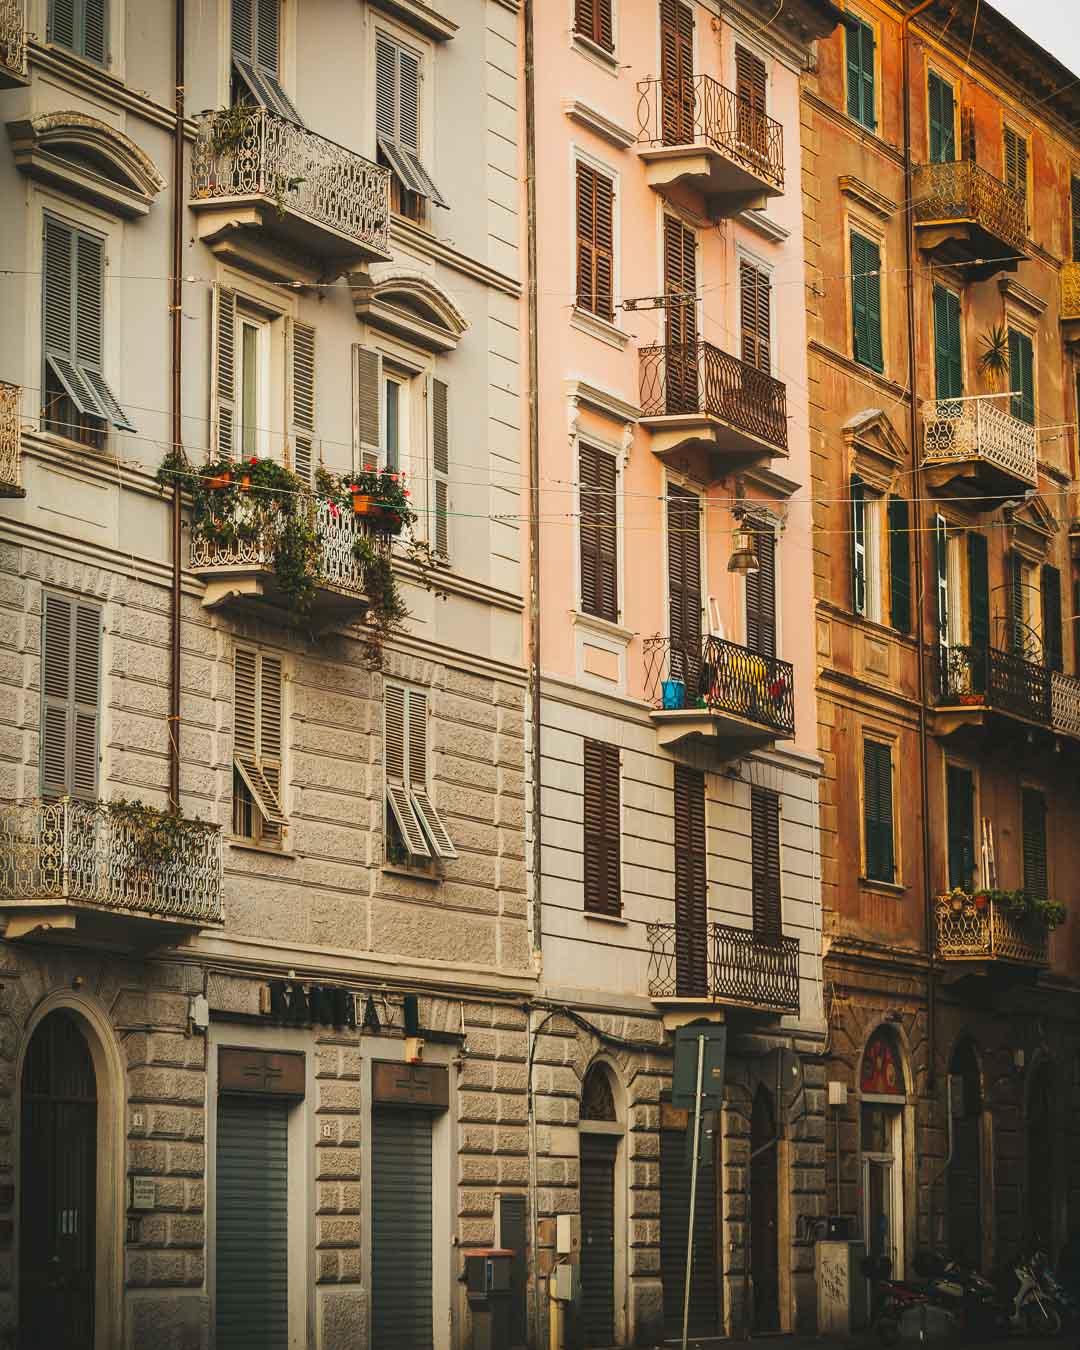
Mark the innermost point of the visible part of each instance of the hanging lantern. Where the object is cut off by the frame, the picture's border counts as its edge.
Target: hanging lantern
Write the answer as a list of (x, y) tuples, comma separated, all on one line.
[(744, 557)]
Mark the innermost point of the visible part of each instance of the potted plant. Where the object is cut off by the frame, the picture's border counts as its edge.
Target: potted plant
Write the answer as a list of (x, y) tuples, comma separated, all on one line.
[(993, 360)]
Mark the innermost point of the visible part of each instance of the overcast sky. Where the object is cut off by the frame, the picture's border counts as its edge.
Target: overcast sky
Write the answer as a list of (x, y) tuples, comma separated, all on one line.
[(1054, 24)]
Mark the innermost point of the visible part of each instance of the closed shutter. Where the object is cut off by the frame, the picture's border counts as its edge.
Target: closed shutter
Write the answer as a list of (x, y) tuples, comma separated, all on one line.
[(439, 402), (677, 72), (597, 476), (438, 835), (858, 544), (602, 819), (1074, 203), (595, 242), (691, 885), (968, 143), (1053, 648), (256, 42), (513, 1236), (750, 86), (79, 25), (395, 762), (680, 294), (258, 734), (948, 371), (252, 1288), (978, 608), (1017, 623), (592, 19), (899, 564), (674, 1221), (1022, 376), (223, 374), (754, 315), (1074, 619), (860, 72), (367, 407), (1033, 828), (761, 593), (941, 574), (765, 864), (942, 120), (302, 398), (70, 697), (866, 302), (960, 804), (1016, 156), (684, 586), (401, 1230), (878, 811), (598, 1238)]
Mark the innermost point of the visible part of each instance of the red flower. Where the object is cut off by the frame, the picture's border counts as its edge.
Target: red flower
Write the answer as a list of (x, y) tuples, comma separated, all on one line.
[(254, 459), (333, 509), (408, 493)]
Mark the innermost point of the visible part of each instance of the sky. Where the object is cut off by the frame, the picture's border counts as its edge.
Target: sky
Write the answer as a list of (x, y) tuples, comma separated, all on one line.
[(1052, 23)]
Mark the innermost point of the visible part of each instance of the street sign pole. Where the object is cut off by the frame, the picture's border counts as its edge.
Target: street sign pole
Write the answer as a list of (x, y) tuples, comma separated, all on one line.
[(693, 1190)]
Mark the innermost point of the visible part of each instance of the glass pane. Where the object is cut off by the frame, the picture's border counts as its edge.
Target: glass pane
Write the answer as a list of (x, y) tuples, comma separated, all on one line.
[(392, 424), (875, 1131), (249, 394), (879, 1209)]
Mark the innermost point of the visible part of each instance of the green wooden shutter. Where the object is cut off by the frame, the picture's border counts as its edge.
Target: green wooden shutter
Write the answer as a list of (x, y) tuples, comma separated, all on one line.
[(858, 545), (960, 805), (302, 398), (942, 120), (80, 26), (1022, 376), (1017, 624), (1016, 156), (866, 302), (978, 591), (948, 370), (878, 811), (765, 864), (860, 72), (1053, 650), (899, 565), (941, 562), (1033, 829)]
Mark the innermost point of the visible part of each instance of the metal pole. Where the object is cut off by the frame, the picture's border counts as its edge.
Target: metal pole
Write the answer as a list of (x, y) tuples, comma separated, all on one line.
[(693, 1190)]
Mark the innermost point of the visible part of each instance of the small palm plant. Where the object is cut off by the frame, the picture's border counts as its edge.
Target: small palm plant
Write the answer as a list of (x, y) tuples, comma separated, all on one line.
[(994, 357)]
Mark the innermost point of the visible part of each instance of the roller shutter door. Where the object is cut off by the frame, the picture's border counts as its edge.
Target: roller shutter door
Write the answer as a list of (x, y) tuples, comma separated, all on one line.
[(674, 1216), (401, 1230), (252, 1224), (598, 1238)]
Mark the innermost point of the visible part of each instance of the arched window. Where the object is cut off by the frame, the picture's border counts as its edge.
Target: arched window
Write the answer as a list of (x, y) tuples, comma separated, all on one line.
[(597, 1095), (882, 1072)]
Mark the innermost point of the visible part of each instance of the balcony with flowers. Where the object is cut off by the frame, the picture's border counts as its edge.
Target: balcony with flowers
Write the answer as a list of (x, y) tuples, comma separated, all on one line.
[(996, 926)]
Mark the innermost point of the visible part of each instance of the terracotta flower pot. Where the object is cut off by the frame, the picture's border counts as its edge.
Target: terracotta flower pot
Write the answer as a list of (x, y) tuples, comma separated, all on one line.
[(363, 504), (981, 902), (245, 482), (216, 481)]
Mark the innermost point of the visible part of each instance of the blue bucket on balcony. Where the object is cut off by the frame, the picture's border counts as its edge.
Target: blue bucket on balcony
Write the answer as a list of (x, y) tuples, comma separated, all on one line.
[(672, 695)]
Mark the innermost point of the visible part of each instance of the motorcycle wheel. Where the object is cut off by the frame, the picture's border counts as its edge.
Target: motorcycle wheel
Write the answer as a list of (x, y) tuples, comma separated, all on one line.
[(1044, 1320)]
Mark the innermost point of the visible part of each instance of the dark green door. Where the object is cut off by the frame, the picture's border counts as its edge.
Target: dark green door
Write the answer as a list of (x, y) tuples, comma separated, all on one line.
[(401, 1230), (598, 1238)]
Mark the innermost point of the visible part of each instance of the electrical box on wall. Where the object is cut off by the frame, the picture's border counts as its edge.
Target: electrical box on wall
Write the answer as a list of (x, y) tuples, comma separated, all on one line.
[(837, 1093), (567, 1234)]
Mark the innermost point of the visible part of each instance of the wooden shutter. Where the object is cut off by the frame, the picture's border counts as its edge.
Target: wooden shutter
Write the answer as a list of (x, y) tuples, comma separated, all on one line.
[(866, 302), (677, 72), (878, 811), (94, 45), (386, 118), (242, 29), (598, 480), (899, 564), (1017, 624), (1016, 155), (860, 72), (223, 374), (968, 142), (1021, 376), (949, 378), (750, 87), (440, 467), (761, 592), (70, 686), (942, 120), (603, 825), (59, 301), (302, 398), (367, 382), (978, 594), (960, 808), (1074, 620), (79, 25), (1074, 204), (765, 864), (256, 55), (1053, 650), (691, 885), (595, 241), (437, 833), (755, 315), (395, 764), (1033, 829), (680, 294), (941, 572), (258, 734), (684, 585), (592, 20), (858, 544), (60, 27)]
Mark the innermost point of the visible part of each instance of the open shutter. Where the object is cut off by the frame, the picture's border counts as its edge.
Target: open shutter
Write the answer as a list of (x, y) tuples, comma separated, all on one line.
[(1033, 813), (978, 595), (858, 545), (1074, 203), (968, 143), (754, 315), (960, 804), (440, 467), (761, 592), (684, 585), (1053, 651), (878, 810), (256, 55), (438, 835), (257, 734), (598, 534), (397, 116), (899, 564), (56, 647), (1021, 376), (942, 120), (602, 821), (394, 762), (948, 372), (58, 314), (86, 683), (302, 398), (765, 864), (691, 885), (367, 407), (223, 374)]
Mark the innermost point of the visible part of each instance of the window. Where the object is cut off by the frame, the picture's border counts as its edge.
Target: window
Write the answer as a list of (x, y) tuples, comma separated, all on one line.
[(256, 37), (761, 591), (78, 401), (415, 830), (70, 696), (1022, 376), (899, 565), (1015, 148), (860, 72), (80, 26), (765, 864), (960, 809), (878, 841), (598, 478), (755, 315), (595, 242), (394, 395), (1033, 829), (592, 20), (367, 402), (942, 119), (681, 375), (439, 490), (258, 731), (253, 370), (1024, 606), (398, 81), (866, 302), (603, 828), (1053, 638), (691, 885), (679, 101), (948, 369), (751, 82), (684, 585), (880, 556), (1074, 205)]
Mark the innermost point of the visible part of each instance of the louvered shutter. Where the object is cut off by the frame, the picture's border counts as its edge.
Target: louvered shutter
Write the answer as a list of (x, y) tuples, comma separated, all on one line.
[(942, 120), (56, 651), (70, 681), (750, 87), (1033, 829), (858, 544), (691, 885), (1053, 650), (978, 607), (598, 534), (256, 55), (302, 398), (866, 302), (941, 573), (1016, 154), (438, 835), (223, 374), (397, 116), (592, 19), (680, 293), (877, 811), (367, 381), (949, 380), (395, 764), (761, 592), (1074, 203), (1075, 624), (684, 586), (860, 72), (1017, 623), (968, 143), (242, 29), (960, 807), (1021, 376), (258, 734), (61, 23), (765, 864), (79, 25), (440, 466), (603, 825), (677, 72), (595, 227), (899, 565), (754, 315)]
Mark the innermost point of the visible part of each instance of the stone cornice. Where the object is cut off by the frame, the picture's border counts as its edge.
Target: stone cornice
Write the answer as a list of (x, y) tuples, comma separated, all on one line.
[(598, 123), (866, 196)]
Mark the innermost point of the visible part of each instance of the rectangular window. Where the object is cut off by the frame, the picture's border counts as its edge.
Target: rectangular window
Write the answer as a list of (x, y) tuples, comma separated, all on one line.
[(253, 343), (598, 478), (1022, 376), (751, 83), (256, 40), (684, 586), (755, 319), (682, 377), (603, 828), (878, 838), (860, 72), (80, 26), (301, 338), (70, 696), (592, 20), (258, 740), (392, 392), (595, 242), (765, 864), (1033, 828), (761, 591), (978, 567), (1024, 606), (941, 578), (367, 407), (691, 885), (960, 808), (866, 303), (398, 82), (1015, 149), (899, 564), (942, 118), (677, 72), (439, 487), (415, 830), (948, 370)]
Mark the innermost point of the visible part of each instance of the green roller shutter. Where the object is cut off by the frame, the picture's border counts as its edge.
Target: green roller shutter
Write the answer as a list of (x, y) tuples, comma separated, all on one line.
[(899, 565), (960, 804), (1021, 376), (674, 1218), (401, 1230), (942, 120), (866, 302), (948, 371)]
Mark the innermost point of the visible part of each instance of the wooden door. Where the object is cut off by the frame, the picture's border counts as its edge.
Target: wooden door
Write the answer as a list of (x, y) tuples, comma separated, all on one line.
[(764, 1252), (691, 893), (677, 72), (598, 1238)]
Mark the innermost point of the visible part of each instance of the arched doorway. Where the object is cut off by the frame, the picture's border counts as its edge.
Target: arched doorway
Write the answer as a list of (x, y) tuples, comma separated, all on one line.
[(1040, 1151), (882, 1098), (58, 1187), (600, 1133), (965, 1170), (764, 1225)]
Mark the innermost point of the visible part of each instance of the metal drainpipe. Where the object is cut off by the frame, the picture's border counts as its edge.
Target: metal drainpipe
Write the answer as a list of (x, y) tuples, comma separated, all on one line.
[(176, 310)]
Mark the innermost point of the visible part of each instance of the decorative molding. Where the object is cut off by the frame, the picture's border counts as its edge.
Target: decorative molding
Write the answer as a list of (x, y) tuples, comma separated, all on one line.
[(768, 481), (872, 433), (596, 327), (857, 133), (417, 14), (598, 55), (897, 392), (410, 303), (598, 123), (1013, 292), (764, 225), (92, 82), (404, 232), (603, 401), (866, 196), (617, 632)]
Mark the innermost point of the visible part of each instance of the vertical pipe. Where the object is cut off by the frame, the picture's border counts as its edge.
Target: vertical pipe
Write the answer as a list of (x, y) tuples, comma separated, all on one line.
[(176, 311)]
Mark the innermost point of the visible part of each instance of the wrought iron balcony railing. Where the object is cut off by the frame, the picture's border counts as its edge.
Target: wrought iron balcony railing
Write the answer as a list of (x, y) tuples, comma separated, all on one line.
[(968, 930), (721, 677), (989, 677), (724, 964), (979, 428), (963, 191), (13, 38), (1070, 290), (10, 440), (702, 111), (83, 853), (688, 378), (1065, 704), (241, 153)]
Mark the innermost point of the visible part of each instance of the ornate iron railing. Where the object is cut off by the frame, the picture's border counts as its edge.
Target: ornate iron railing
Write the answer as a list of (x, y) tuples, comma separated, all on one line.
[(1065, 704), (725, 965), (979, 428), (10, 436), (684, 378), (962, 190), (84, 853), (1070, 290), (721, 677), (992, 678), (689, 112), (250, 152), (13, 37), (968, 930)]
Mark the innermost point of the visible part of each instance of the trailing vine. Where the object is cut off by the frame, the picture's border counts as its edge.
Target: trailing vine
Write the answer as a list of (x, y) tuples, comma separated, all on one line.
[(158, 836)]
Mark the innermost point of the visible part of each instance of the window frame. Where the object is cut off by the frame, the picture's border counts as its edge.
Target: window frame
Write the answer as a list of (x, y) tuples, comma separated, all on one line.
[(247, 793), (414, 804), (606, 171), (597, 446), (408, 164), (260, 325), (950, 761), (950, 85)]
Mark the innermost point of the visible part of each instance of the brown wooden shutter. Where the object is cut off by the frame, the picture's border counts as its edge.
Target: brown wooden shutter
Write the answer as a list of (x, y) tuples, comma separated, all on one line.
[(595, 242), (684, 585), (302, 398), (599, 536), (755, 315), (750, 82), (223, 374), (680, 292), (603, 826), (968, 144), (761, 593), (70, 689), (765, 864), (677, 72), (691, 885), (1016, 154), (592, 19)]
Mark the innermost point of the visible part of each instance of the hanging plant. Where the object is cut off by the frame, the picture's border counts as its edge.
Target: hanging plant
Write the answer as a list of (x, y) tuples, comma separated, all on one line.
[(1020, 906), (993, 360), (157, 836)]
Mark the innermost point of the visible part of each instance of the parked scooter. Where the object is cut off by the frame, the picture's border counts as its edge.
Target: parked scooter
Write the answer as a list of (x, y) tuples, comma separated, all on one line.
[(974, 1303), (945, 1304), (1031, 1308), (1057, 1286)]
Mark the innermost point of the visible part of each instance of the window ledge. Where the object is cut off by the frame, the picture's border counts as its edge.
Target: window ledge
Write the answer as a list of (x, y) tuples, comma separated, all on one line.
[(413, 873), (423, 17), (250, 846), (889, 887), (616, 919), (594, 52), (603, 626), (586, 322)]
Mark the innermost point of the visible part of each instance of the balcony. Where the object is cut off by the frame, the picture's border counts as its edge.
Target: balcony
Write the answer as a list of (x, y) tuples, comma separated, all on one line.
[(10, 441), (963, 214), (1064, 705), (734, 967), (975, 447), (974, 932), (720, 693), (1069, 312), (709, 412), (13, 66), (90, 866), (697, 134), (274, 198)]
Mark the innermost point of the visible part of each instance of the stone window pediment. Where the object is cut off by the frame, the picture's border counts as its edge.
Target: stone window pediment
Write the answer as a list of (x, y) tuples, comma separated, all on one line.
[(410, 305), (88, 159), (875, 450)]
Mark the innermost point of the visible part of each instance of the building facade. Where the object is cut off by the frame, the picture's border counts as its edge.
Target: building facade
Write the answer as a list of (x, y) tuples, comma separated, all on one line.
[(940, 198), (264, 1057)]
